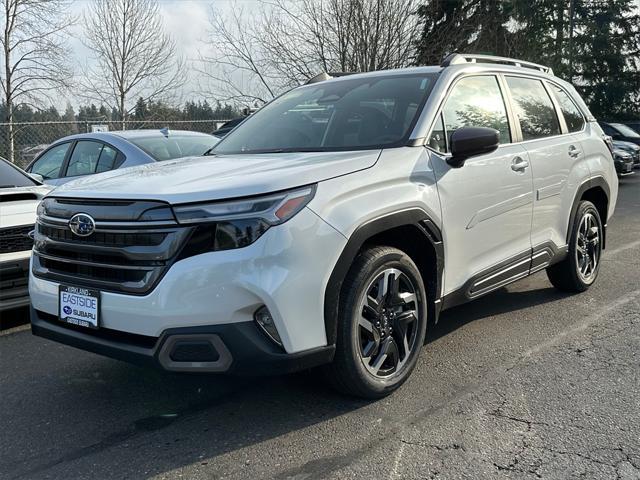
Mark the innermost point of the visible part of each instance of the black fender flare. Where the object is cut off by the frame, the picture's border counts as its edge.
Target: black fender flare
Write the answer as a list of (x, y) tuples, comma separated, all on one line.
[(410, 217), (598, 181)]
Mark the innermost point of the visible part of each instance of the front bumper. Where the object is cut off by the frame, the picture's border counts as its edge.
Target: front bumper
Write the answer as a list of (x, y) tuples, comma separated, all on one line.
[(14, 274), (287, 270), (240, 348), (624, 167)]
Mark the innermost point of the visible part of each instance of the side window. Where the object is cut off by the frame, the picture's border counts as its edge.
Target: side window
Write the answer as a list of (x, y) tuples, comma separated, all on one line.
[(437, 140), (107, 159), (534, 108), (49, 164), (476, 102), (84, 158), (572, 115)]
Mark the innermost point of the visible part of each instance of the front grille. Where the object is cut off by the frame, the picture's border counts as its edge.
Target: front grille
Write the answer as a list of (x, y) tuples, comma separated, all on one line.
[(14, 278), (134, 244), (15, 239), (104, 238)]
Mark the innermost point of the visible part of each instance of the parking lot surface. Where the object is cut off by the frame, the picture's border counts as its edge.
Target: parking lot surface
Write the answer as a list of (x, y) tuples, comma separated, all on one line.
[(527, 382)]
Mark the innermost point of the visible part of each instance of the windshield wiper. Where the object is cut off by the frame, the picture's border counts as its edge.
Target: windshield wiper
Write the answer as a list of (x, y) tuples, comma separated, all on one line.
[(8, 186), (274, 150)]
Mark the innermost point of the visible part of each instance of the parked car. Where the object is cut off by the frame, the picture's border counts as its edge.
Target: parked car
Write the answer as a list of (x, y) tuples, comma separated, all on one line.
[(97, 152), (332, 225), (633, 125), (631, 148), (619, 131), (623, 162), (19, 197)]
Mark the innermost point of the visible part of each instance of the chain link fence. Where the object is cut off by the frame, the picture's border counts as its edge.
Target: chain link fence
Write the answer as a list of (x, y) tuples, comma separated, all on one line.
[(31, 138)]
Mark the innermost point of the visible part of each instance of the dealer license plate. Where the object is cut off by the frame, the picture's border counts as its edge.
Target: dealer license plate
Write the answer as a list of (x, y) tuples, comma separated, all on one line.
[(79, 306)]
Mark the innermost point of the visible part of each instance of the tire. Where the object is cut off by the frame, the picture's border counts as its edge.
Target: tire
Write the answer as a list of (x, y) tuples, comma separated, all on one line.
[(372, 359), (585, 241)]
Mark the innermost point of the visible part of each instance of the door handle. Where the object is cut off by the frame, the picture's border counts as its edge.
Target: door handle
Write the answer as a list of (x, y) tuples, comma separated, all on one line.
[(574, 152), (519, 165)]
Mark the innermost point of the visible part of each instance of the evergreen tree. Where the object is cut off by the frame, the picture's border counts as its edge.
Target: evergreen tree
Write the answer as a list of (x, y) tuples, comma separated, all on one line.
[(141, 111), (607, 52), (446, 28), (490, 20), (594, 44), (70, 116), (104, 113)]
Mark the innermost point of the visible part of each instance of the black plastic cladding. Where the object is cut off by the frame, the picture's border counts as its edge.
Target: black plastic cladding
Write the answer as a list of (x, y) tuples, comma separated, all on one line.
[(413, 217)]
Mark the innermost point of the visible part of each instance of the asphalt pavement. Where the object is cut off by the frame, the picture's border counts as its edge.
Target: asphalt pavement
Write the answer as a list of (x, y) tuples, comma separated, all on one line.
[(525, 383)]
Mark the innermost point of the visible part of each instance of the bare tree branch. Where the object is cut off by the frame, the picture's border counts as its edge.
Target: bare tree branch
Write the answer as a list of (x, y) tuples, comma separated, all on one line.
[(134, 56), (35, 54), (283, 43)]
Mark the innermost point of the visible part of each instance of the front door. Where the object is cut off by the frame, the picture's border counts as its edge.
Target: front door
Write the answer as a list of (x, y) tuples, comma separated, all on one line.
[(487, 203)]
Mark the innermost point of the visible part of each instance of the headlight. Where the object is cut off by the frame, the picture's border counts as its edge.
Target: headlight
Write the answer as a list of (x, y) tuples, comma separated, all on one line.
[(40, 210), (227, 225), (273, 209)]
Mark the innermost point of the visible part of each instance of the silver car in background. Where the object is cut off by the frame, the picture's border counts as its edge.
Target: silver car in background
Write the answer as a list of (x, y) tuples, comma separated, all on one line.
[(89, 153)]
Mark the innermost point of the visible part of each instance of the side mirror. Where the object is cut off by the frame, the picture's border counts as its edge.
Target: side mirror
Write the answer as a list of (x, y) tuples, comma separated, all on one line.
[(467, 142), (37, 177)]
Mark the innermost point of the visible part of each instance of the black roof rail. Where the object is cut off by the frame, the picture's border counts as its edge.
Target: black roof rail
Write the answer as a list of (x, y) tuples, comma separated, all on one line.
[(459, 58), (321, 77)]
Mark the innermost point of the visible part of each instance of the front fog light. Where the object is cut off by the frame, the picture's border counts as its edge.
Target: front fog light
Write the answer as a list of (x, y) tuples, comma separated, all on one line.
[(265, 321)]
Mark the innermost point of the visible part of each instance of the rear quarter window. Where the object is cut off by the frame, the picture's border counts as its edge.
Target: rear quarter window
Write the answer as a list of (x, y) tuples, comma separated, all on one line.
[(572, 115)]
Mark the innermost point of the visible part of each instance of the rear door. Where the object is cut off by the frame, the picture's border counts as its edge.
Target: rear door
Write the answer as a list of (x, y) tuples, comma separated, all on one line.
[(487, 203), (557, 159)]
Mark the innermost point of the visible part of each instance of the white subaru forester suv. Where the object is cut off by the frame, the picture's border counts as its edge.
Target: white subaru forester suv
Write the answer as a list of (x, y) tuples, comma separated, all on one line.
[(332, 226)]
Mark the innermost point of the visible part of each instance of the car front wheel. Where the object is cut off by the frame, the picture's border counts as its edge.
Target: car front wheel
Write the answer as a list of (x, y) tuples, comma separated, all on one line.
[(382, 324)]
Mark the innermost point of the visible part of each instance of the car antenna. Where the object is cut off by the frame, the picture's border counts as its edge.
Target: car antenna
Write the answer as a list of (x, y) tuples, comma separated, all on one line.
[(165, 131)]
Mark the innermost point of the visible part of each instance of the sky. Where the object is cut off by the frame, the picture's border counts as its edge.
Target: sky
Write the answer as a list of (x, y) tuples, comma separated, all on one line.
[(186, 20)]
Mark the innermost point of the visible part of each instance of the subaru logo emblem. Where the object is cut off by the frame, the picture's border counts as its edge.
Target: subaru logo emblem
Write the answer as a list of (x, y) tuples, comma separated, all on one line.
[(82, 225)]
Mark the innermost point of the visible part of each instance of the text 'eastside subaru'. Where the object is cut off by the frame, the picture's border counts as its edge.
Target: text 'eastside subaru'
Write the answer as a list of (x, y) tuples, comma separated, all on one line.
[(332, 226)]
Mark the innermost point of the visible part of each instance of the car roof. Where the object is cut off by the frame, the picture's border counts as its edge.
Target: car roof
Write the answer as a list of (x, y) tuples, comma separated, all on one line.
[(130, 134), (453, 68), (158, 133), (380, 73)]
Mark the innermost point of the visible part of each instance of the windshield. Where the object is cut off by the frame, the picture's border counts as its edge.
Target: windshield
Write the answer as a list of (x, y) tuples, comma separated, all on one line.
[(11, 177), (624, 130), (175, 146), (349, 114)]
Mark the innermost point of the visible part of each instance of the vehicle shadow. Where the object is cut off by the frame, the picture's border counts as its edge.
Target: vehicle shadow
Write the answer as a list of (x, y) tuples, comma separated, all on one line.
[(107, 419), (87, 419), (499, 302), (14, 318)]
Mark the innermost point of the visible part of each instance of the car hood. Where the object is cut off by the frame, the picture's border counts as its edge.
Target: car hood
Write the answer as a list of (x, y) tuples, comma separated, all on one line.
[(194, 179), (18, 205)]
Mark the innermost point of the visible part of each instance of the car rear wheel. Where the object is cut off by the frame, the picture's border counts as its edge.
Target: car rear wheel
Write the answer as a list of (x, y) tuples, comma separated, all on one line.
[(579, 270), (381, 326)]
